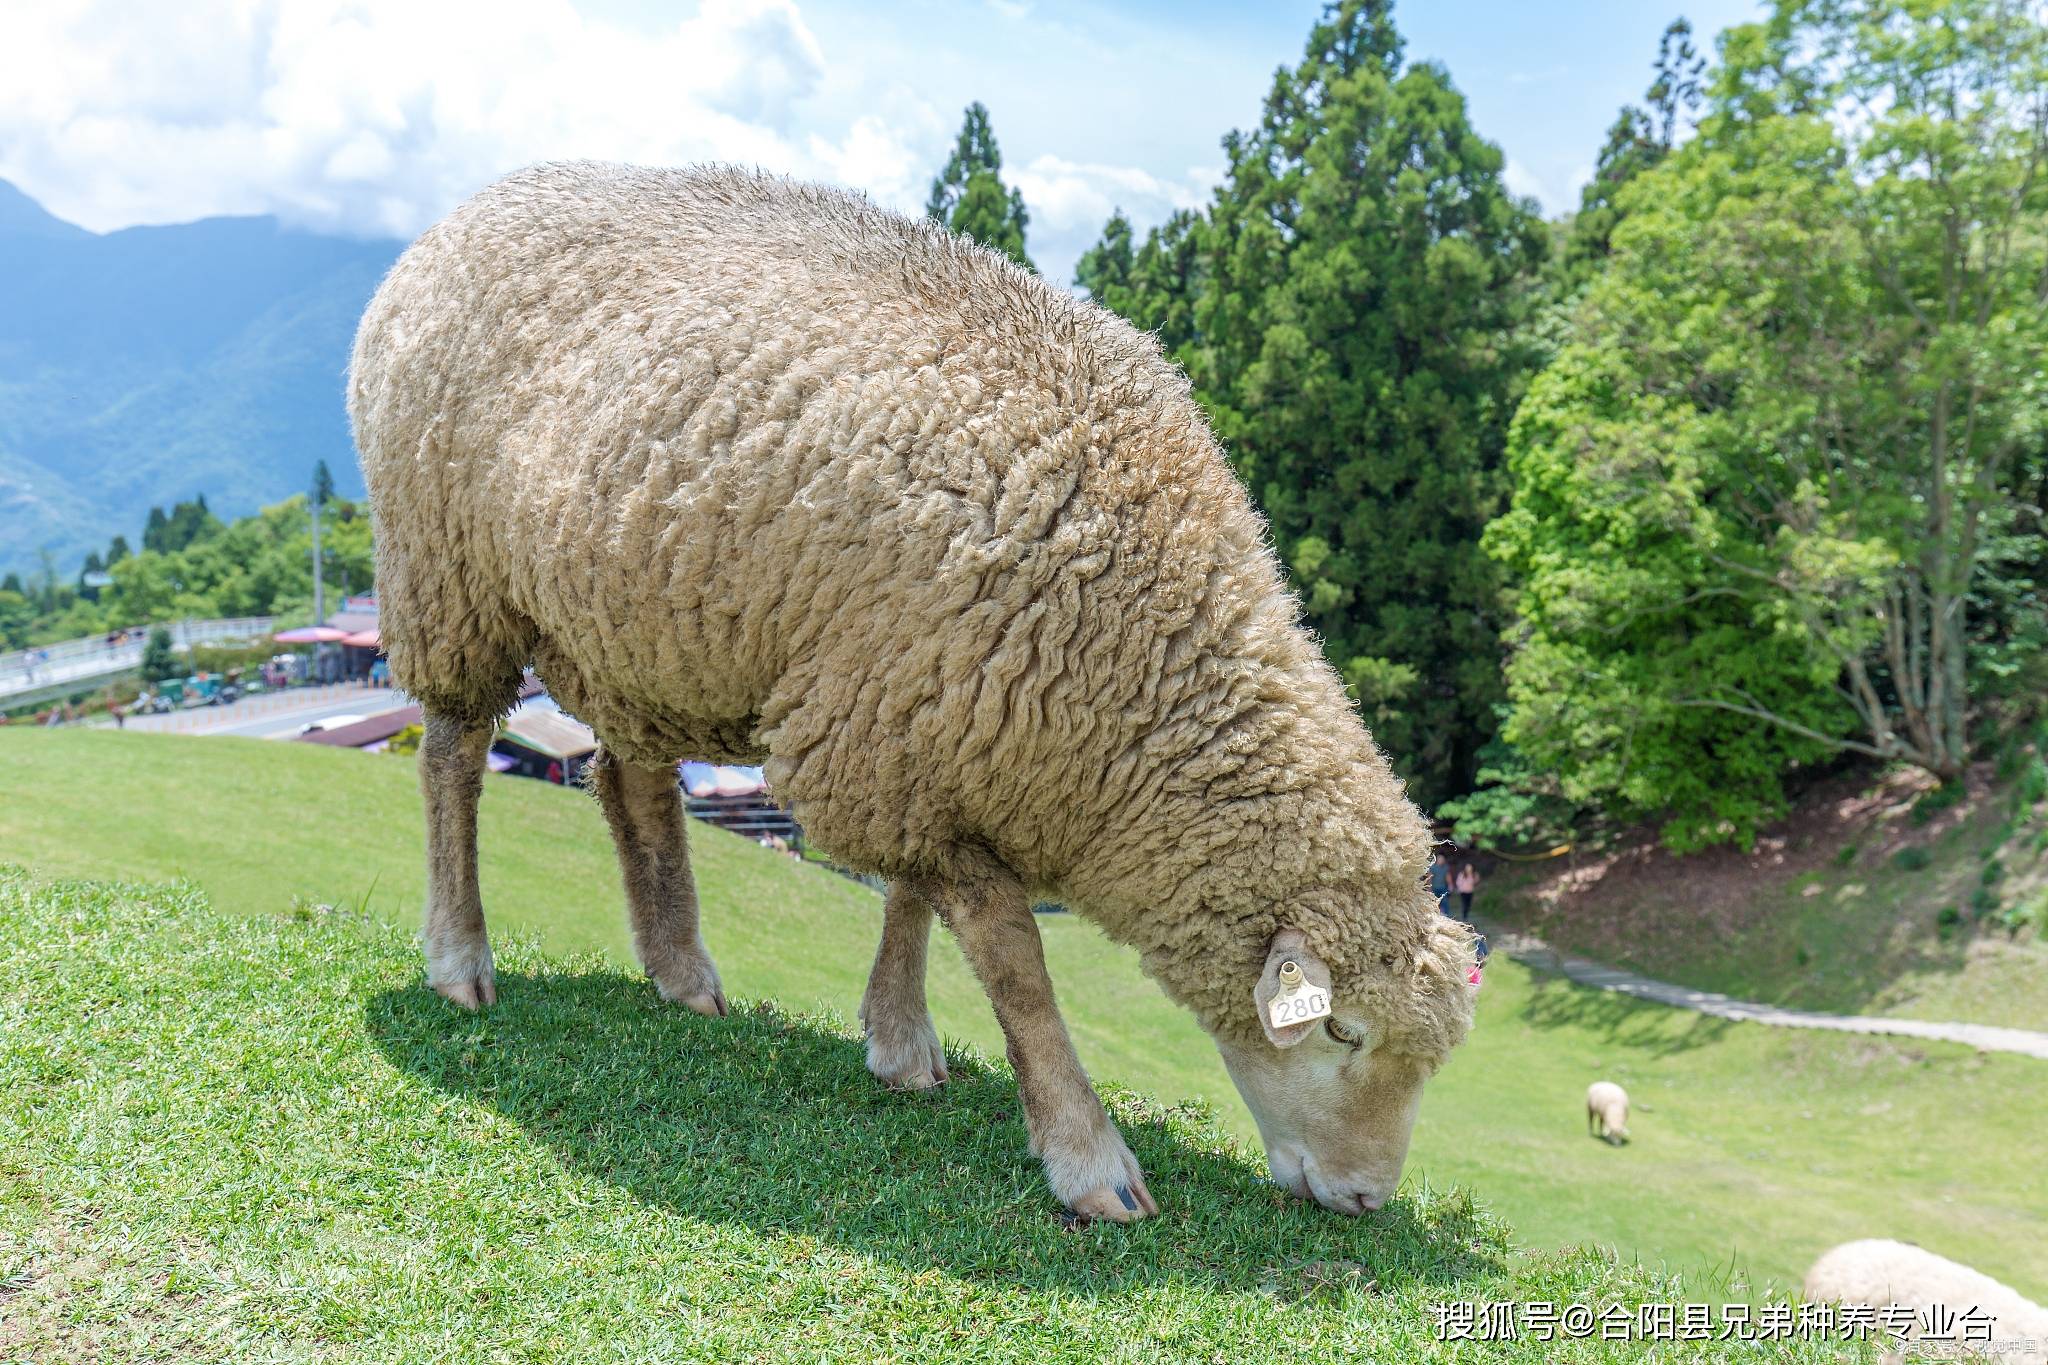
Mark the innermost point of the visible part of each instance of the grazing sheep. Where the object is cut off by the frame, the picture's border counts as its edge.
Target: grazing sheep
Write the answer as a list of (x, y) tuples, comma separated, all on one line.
[(1879, 1272), (1607, 1111), (753, 471)]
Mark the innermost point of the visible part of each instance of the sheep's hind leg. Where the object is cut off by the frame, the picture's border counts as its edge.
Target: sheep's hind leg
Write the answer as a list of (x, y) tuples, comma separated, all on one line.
[(903, 1048), (1086, 1161), (644, 807), (451, 779)]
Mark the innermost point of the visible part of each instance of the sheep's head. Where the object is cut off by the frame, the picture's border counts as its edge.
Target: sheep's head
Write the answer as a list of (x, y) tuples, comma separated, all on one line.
[(1334, 1074)]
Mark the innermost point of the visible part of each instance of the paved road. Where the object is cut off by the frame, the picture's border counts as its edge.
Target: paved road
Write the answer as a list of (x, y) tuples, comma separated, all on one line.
[(1533, 951)]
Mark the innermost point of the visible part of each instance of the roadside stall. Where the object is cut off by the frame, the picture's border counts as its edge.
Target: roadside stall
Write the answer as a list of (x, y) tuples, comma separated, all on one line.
[(542, 742)]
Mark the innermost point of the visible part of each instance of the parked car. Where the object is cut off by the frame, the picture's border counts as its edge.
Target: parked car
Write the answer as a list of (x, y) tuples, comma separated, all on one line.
[(329, 723)]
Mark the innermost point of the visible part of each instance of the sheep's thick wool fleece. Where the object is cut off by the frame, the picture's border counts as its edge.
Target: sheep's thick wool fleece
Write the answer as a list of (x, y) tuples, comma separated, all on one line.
[(1879, 1271), (754, 470)]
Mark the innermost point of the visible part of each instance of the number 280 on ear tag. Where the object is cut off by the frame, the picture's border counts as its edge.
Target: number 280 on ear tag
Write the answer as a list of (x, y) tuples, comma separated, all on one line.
[(1298, 1001)]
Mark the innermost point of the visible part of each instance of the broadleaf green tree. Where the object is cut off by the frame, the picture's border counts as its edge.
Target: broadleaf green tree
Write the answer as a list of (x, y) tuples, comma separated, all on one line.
[(260, 565), (1760, 501), (16, 614)]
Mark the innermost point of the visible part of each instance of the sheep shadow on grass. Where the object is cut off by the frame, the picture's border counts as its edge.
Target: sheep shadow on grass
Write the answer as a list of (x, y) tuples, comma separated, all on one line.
[(774, 1123)]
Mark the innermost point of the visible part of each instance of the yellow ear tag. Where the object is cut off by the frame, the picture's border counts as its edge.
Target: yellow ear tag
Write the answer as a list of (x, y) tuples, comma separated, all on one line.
[(1298, 1001)]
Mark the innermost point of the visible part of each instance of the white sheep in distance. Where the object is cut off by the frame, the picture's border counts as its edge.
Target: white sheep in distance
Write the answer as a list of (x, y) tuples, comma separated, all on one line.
[(1878, 1272), (1607, 1111), (754, 471)]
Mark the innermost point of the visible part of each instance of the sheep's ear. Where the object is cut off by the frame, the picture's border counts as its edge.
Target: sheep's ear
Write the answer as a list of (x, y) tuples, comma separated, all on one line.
[(1297, 977)]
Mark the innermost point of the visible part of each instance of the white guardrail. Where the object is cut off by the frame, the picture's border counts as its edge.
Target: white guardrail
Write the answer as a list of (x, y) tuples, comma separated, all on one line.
[(84, 661)]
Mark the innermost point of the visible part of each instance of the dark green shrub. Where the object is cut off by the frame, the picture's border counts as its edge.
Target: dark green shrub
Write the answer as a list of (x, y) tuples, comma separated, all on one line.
[(1911, 858), (2010, 760), (2034, 912), (1936, 800), (2033, 782), (160, 658)]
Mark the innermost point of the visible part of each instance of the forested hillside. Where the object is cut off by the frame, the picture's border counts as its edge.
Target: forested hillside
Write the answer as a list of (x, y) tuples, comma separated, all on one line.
[(153, 364)]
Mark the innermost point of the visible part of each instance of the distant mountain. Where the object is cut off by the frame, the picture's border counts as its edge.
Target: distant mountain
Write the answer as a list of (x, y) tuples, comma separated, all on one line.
[(144, 366), (21, 216)]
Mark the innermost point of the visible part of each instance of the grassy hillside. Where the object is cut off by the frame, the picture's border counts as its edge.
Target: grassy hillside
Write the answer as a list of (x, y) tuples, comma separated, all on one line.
[(1876, 897), (238, 1138), (1756, 1149)]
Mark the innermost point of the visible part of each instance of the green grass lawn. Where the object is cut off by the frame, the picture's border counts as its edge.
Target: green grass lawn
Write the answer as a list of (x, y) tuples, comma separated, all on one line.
[(1755, 1148), (256, 1138)]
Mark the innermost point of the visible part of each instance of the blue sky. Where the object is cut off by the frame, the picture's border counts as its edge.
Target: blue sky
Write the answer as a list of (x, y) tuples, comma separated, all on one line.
[(375, 116)]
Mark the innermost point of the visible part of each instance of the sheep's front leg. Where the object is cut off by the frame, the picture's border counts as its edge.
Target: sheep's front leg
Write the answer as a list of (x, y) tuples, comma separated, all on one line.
[(644, 807), (451, 779), (1086, 1161), (903, 1047)]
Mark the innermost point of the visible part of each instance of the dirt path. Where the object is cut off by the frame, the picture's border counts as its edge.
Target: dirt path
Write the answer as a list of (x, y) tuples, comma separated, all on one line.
[(1534, 952)]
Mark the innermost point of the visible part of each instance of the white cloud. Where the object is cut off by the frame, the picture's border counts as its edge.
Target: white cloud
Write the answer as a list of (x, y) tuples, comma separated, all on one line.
[(1069, 194), (1519, 179), (378, 115), (1069, 202), (1582, 176)]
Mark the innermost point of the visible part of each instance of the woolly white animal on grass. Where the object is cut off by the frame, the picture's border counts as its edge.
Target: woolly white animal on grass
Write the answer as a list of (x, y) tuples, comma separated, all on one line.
[(757, 472), (1879, 1272), (1607, 1111)]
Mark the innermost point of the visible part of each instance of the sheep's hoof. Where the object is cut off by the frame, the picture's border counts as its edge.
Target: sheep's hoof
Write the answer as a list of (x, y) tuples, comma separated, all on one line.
[(473, 993), (461, 972), (710, 1003), (1122, 1204), (912, 1062), (694, 986), (1102, 1180)]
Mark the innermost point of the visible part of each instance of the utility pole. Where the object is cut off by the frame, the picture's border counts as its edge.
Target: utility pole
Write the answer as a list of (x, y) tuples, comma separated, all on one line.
[(319, 591)]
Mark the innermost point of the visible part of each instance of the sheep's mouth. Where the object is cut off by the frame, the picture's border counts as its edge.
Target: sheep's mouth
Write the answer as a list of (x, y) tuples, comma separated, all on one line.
[(1297, 1186)]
